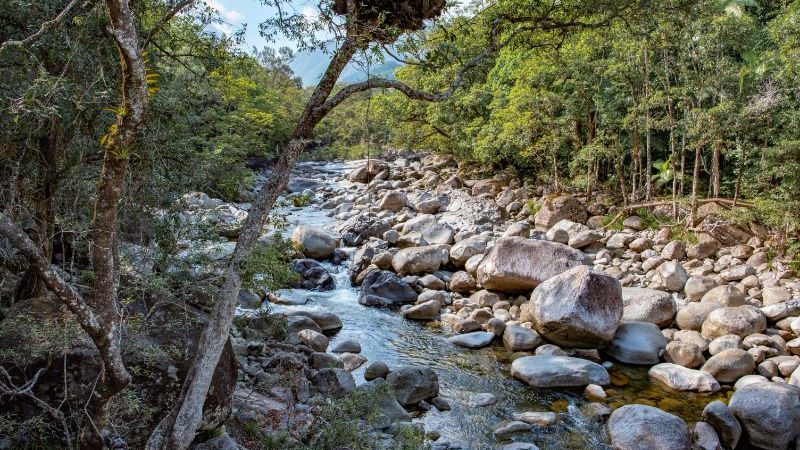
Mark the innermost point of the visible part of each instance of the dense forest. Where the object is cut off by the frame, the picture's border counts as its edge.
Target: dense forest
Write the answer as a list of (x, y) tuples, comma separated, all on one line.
[(163, 183)]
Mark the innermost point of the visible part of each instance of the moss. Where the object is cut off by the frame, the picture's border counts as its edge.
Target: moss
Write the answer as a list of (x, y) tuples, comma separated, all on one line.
[(533, 207)]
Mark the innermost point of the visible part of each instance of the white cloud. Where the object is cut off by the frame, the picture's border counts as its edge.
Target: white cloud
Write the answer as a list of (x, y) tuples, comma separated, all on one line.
[(227, 14), (310, 13)]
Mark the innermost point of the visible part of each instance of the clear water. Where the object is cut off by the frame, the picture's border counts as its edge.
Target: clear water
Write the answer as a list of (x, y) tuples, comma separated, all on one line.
[(386, 336)]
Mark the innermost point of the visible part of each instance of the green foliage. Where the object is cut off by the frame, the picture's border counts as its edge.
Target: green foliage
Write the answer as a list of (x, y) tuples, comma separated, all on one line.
[(36, 433), (533, 207), (301, 200), (269, 265)]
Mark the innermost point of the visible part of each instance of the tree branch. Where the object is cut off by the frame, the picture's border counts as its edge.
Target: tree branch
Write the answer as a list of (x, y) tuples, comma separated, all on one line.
[(45, 26), (172, 13)]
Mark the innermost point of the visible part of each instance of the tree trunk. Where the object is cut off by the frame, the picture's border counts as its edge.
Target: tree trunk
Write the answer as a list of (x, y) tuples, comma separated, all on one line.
[(177, 430), (683, 161), (32, 284), (715, 162), (636, 160), (695, 183), (555, 171), (742, 156), (648, 140)]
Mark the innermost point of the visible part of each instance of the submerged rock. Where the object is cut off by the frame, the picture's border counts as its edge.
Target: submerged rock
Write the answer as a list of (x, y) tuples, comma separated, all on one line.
[(548, 371)]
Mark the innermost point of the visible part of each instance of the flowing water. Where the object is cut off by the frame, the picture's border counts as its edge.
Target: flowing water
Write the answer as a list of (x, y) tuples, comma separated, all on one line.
[(386, 336)]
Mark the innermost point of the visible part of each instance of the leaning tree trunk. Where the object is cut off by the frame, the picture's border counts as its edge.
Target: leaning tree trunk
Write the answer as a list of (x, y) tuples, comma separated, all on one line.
[(177, 430)]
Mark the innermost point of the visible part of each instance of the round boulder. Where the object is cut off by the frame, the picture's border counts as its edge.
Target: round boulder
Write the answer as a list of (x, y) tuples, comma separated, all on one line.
[(641, 427)]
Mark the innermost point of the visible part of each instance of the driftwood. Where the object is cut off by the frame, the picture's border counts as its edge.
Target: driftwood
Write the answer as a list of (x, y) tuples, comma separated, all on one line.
[(724, 201)]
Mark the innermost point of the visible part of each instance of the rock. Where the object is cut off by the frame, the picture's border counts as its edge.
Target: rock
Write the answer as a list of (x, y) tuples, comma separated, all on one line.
[(314, 243), (737, 273), (683, 379), (641, 427), (691, 337), (466, 326), (432, 282), (358, 229), (557, 209), (780, 311), (248, 300), (347, 346), (747, 380), (412, 385), (648, 305), (741, 321), (393, 201), (352, 361), (620, 240), (723, 231), (478, 400), (769, 414), (223, 442), (543, 419), (675, 250), (517, 338), (723, 343), (495, 325), (418, 260), (369, 171), (383, 402), (333, 382), (773, 295), (703, 249), (441, 404), (521, 229), (320, 360), (634, 223), (705, 437), (518, 265), (299, 184), (462, 282), (475, 339), (725, 295), (317, 341), (425, 311), (466, 249), (376, 370), (384, 288), (512, 428), (729, 365), (697, 287), (545, 371), (693, 315), (519, 446), (719, 416), (684, 354), (329, 323), (641, 244), (672, 276), (438, 234), (584, 238), (312, 276), (579, 308), (294, 324), (637, 343)]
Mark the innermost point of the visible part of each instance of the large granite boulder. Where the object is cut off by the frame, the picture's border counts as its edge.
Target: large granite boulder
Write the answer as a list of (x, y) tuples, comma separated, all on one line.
[(682, 378), (740, 320), (385, 288), (412, 385), (641, 427), (557, 209), (312, 276), (637, 343), (517, 264), (648, 305), (578, 309), (549, 371), (314, 243), (419, 260), (769, 414), (358, 229), (369, 171)]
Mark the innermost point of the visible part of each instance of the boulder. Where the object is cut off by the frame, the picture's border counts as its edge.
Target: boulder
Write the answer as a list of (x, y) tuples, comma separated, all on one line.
[(376, 370), (462, 282), (312, 276), (393, 201), (548, 371), (467, 248), (637, 343), (358, 229), (641, 427), (419, 260), (384, 288), (328, 323), (697, 286), (475, 339), (517, 338), (578, 309), (693, 315), (703, 249), (724, 422), (333, 382), (368, 171), (412, 385), (559, 208), (769, 414), (314, 243), (672, 276), (383, 402), (740, 320), (438, 234), (316, 341), (684, 354), (729, 365), (425, 311), (682, 378), (725, 295), (648, 305), (517, 264), (737, 273), (674, 250)]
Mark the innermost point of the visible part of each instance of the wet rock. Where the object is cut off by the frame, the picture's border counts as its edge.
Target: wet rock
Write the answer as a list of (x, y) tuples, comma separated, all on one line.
[(412, 385), (741, 321), (682, 378), (475, 339), (329, 323), (312, 276), (637, 343), (376, 370), (769, 414), (719, 416), (648, 305), (558, 371), (384, 288), (517, 338), (578, 309), (314, 243), (543, 419), (640, 427), (484, 399), (512, 428), (428, 310), (346, 346), (730, 365)]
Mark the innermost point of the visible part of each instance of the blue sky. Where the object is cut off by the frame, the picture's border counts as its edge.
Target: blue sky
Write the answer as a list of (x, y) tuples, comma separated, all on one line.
[(236, 13)]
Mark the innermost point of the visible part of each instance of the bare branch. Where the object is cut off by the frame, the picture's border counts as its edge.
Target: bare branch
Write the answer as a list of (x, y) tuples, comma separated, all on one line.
[(45, 26)]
